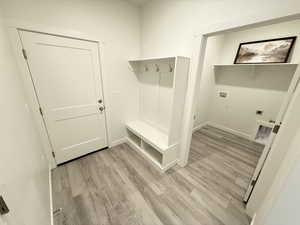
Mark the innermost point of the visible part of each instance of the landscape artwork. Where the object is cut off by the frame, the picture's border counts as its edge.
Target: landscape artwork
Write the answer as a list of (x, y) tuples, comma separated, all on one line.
[(266, 51)]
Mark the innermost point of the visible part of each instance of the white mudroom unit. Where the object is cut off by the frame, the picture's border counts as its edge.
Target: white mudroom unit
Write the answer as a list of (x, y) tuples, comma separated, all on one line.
[(155, 133)]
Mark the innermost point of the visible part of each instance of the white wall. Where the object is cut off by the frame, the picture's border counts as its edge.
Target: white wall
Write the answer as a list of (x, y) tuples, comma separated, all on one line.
[(168, 26), (286, 209), (284, 29), (24, 174), (212, 56), (115, 22)]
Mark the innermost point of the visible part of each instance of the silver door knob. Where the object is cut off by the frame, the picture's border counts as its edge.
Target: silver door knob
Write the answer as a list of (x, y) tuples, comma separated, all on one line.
[(101, 108)]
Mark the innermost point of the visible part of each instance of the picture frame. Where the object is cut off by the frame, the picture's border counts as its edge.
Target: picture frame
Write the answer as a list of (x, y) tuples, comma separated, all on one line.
[(265, 51)]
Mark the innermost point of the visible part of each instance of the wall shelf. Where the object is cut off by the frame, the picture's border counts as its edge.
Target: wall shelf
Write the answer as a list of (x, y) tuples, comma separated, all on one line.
[(154, 58), (255, 65)]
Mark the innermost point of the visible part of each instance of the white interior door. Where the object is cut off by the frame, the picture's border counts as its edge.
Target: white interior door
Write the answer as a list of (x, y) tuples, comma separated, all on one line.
[(268, 146), (66, 76)]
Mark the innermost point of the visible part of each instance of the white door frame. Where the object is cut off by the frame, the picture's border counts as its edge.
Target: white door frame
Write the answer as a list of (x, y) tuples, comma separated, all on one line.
[(269, 145), (197, 62), (33, 104)]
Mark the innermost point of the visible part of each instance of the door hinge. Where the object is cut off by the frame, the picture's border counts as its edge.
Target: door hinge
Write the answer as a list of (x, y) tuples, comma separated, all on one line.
[(276, 129), (53, 154), (253, 182), (24, 54), (3, 207), (41, 111)]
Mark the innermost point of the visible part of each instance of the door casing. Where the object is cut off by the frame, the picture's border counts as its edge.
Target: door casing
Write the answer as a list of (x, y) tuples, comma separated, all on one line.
[(60, 115), (33, 104), (269, 145)]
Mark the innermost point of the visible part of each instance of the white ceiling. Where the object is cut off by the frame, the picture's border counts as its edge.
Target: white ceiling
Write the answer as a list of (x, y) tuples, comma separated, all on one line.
[(142, 2), (138, 2)]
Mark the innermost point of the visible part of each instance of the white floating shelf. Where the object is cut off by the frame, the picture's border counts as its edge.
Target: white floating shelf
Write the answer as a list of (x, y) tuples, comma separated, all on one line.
[(151, 59), (155, 58), (256, 65)]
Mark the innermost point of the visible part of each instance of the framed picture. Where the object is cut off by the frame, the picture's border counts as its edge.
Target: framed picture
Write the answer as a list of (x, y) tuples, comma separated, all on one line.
[(265, 51)]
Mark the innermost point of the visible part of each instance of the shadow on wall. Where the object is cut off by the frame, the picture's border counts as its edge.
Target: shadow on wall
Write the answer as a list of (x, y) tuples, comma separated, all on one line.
[(276, 77)]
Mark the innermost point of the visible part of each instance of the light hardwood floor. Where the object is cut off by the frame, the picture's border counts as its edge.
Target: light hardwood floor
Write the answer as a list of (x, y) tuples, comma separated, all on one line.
[(119, 187)]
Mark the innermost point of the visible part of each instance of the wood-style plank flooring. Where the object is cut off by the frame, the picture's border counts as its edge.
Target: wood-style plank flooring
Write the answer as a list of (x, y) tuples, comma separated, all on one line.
[(119, 187)]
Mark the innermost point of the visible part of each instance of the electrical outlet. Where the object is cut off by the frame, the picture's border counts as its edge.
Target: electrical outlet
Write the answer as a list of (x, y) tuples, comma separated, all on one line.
[(223, 94), (259, 112)]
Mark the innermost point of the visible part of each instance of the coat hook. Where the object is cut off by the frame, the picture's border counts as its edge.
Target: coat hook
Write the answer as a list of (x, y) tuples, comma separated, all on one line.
[(157, 68), (170, 68), (146, 68), (130, 68)]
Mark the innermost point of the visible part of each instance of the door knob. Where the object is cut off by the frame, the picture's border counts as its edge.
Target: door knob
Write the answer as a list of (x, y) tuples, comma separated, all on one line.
[(101, 108)]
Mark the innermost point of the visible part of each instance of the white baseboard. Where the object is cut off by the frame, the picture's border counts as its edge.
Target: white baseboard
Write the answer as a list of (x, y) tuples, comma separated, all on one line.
[(198, 127), (118, 142), (51, 197), (253, 220), (238, 133)]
